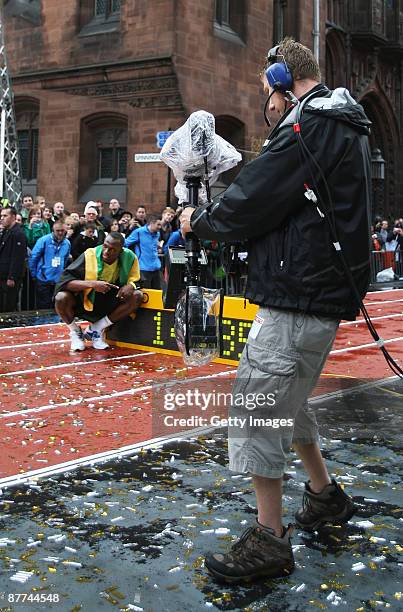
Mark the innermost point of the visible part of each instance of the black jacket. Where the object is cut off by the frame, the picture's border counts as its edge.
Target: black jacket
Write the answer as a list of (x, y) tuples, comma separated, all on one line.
[(13, 251), (292, 262), (81, 243)]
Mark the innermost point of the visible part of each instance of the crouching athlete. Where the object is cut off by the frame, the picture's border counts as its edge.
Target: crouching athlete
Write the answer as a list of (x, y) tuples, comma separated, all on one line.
[(101, 286)]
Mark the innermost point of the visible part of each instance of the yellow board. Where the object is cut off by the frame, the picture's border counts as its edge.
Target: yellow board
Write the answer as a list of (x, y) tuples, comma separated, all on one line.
[(238, 315)]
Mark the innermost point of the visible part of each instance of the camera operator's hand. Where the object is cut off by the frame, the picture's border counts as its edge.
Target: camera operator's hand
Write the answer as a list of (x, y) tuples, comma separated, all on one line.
[(185, 220)]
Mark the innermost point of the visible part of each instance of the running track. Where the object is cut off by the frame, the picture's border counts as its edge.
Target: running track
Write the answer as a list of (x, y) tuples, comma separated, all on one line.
[(59, 410)]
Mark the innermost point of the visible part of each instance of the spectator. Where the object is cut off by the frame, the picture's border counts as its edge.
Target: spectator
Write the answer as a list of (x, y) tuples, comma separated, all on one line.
[(398, 233), (47, 215), (35, 227), (91, 214), (166, 228), (175, 240), (115, 211), (40, 201), (145, 241), (85, 240), (384, 235), (75, 216), (27, 203), (73, 228), (106, 221), (115, 227), (13, 249), (100, 287), (376, 245), (18, 218), (124, 224), (59, 212), (139, 219), (47, 261)]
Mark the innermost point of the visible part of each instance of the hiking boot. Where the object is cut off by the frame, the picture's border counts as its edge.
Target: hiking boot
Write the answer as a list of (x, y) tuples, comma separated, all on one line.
[(77, 340), (331, 505), (98, 340), (257, 554)]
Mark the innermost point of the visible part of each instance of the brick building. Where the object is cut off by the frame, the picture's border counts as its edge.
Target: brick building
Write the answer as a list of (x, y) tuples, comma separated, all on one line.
[(94, 81)]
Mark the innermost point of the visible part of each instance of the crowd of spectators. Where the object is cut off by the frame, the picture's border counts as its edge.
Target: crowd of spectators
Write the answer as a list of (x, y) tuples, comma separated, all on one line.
[(43, 240), (37, 243), (387, 244)]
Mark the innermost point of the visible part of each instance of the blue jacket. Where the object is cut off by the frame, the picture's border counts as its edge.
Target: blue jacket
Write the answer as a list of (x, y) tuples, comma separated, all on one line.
[(146, 248), (175, 240), (49, 258)]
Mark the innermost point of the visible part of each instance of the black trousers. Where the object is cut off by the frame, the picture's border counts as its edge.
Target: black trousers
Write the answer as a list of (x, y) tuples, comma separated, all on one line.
[(8, 296), (44, 295), (151, 280)]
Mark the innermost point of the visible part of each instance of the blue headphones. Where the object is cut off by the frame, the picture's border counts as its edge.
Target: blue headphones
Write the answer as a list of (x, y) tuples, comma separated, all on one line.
[(278, 74)]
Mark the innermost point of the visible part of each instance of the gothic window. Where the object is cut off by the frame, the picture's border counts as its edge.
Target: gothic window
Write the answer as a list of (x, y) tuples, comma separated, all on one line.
[(111, 154), (28, 141), (222, 13), (99, 17), (285, 20), (106, 8), (103, 163), (230, 20), (280, 7)]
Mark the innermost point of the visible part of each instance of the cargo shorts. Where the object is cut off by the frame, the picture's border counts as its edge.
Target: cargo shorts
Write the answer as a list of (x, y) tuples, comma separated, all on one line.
[(281, 363)]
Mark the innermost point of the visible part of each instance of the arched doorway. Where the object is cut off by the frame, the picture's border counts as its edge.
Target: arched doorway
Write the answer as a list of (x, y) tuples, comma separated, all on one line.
[(384, 136)]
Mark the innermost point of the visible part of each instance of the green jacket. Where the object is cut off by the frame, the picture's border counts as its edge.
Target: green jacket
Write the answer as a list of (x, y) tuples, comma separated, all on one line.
[(34, 233)]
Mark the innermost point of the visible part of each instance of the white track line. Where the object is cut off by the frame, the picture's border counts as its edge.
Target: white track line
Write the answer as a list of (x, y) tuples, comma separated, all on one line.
[(380, 291), (30, 326), (133, 391), (33, 343), (67, 466), (76, 364), (359, 321), (384, 302), (361, 346), (97, 398)]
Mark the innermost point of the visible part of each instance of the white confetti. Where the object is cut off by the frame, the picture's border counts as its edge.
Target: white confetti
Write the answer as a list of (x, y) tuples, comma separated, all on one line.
[(21, 577), (299, 588), (72, 563), (357, 567), (378, 559), (365, 524)]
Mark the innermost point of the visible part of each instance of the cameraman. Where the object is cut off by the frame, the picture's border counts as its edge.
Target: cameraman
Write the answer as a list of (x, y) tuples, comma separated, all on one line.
[(297, 279)]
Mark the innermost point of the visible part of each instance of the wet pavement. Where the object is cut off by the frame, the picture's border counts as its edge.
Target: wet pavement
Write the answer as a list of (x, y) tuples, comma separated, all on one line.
[(131, 534)]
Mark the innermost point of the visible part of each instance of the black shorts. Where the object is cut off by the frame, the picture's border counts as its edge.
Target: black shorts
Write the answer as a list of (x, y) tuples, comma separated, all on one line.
[(104, 304)]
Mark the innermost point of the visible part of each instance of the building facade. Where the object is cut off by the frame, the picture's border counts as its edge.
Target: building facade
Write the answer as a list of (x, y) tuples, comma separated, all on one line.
[(95, 80)]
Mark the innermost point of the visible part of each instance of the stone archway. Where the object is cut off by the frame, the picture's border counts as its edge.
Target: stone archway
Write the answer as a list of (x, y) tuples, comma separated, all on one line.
[(335, 59), (384, 136)]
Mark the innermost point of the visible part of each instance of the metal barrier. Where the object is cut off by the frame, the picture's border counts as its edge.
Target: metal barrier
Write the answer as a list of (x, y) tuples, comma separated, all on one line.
[(382, 260), (232, 278)]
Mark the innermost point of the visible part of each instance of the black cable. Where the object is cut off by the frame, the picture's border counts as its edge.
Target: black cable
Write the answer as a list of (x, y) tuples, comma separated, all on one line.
[(267, 120)]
